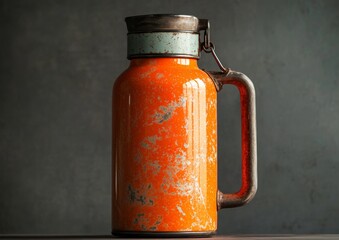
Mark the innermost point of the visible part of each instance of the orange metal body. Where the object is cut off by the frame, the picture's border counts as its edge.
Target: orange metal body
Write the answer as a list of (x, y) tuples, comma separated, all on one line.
[(164, 147)]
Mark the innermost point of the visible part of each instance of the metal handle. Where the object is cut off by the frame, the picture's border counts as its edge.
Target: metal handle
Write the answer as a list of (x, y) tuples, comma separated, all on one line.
[(248, 136)]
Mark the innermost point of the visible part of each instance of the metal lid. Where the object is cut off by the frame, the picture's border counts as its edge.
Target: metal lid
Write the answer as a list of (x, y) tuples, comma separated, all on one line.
[(165, 23)]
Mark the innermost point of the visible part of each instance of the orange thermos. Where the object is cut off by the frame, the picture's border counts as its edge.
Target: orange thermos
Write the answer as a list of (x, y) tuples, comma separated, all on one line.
[(165, 132)]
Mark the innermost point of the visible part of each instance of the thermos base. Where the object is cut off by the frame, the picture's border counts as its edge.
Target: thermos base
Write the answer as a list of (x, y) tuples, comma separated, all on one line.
[(145, 234)]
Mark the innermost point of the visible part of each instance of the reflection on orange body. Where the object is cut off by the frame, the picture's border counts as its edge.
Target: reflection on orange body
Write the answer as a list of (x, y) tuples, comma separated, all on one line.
[(164, 147)]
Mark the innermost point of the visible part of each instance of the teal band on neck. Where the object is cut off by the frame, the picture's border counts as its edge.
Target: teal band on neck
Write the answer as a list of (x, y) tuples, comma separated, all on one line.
[(163, 44)]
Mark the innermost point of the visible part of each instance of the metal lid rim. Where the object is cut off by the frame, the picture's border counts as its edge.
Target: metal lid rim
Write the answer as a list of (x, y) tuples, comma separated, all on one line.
[(162, 15)]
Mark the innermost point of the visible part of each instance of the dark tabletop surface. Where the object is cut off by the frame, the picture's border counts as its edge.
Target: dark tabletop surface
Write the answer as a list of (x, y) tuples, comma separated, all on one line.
[(226, 237)]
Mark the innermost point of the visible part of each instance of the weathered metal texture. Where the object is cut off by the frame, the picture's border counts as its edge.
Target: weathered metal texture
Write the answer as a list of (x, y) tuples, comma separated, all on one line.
[(164, 148), (163, 23), (249, 138), (165, 35), (163, 43)]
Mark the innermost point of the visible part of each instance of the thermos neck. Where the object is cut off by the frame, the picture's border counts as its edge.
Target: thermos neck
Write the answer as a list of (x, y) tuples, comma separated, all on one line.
[(163, 44)]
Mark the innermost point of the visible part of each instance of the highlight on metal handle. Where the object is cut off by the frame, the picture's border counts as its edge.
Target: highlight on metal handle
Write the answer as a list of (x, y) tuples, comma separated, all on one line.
[(248, 137)]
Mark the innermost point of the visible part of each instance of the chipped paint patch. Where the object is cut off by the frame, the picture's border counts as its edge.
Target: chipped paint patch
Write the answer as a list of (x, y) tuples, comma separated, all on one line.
[(143, 222), (155, 167), (187, 126), (180, 210), (165, 112), (145, 145), (159, 75), (149, 72), (153, 139), (137, 157), (136, 197), (138, 218), (181, 156), (156, 224), (150, 142)]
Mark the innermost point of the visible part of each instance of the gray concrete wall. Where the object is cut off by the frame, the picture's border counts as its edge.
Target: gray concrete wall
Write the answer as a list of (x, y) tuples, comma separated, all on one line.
[(58, 63)]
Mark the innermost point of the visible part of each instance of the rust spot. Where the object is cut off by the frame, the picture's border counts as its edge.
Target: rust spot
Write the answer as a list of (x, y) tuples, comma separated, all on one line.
[(145, 224), (145, 145), (135, 196), (165, 117), (137, 157), (131, 193), (138, 218), (156, 224)]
